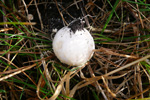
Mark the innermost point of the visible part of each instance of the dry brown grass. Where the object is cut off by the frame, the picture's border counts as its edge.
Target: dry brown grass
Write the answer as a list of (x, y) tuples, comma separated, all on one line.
[(119, 69)]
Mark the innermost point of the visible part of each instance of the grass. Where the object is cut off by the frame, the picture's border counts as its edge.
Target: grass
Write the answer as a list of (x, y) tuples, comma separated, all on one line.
[(119, 69)]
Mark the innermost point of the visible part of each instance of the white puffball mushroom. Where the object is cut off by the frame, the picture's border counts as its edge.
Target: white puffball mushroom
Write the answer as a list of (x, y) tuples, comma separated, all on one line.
[(73, 44), (30, 17)]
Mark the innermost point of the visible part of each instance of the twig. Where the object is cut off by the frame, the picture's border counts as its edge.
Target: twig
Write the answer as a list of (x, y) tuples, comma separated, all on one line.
[(39, 14)]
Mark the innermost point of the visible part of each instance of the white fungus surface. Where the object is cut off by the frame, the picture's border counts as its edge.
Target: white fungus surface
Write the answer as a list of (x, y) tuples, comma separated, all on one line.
[(72, 48)]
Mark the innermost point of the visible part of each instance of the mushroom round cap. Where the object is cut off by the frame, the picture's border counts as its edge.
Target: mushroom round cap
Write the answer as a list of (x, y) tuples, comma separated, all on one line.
[(73, 48)]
